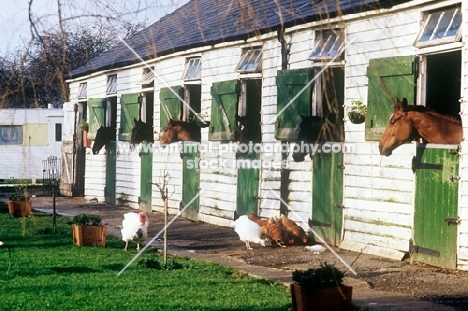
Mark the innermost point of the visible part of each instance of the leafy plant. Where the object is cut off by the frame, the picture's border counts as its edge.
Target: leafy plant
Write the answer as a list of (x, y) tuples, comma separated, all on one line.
[(84, 125), (324, 276), (357, 111), (21, 191), (87, 220), (156, 263)]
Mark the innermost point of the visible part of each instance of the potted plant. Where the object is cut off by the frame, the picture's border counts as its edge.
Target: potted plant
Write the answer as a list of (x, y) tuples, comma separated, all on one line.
[(19, 203), (88, 230), (357, 111), (320, 289), (84, 126)]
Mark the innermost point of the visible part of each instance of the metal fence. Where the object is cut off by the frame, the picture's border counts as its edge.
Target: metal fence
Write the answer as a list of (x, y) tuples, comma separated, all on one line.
[(51, 173)]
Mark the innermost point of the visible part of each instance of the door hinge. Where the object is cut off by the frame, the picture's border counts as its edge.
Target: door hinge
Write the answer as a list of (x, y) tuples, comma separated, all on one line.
[(318, 224), (454, 178), (416, 249), (453, 221), (340, 166)]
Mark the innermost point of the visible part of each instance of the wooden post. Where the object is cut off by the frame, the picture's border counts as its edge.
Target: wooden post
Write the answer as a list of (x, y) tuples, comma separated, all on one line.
[(165, 231), (54, 215)]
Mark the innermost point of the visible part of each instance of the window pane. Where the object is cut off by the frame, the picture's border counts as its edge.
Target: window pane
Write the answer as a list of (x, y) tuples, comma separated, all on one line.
[(58, 131), (456, 22), (251, 61), (441, 25), (327, 44), (192, 69), (11, 134), (83, 90), (111, 84)]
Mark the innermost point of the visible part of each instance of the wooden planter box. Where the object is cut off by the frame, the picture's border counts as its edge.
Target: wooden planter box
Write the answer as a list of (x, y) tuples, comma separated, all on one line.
[(89, 235), (327, 299), (19, 208)]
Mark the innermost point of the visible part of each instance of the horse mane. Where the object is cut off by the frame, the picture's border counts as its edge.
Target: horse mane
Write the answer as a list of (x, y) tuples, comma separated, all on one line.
[(427, 110)]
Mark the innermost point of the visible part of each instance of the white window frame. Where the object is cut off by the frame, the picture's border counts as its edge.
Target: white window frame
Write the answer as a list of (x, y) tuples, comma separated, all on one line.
[(147, 78), (11, 134), (192, 70), (442, 15), (111, 88), (327, 44), (82, 91), (251, 61)]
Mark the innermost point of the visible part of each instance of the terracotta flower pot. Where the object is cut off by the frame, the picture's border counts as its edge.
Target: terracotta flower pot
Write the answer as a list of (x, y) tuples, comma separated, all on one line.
[(19, 208), (86, 141), (329, 298)]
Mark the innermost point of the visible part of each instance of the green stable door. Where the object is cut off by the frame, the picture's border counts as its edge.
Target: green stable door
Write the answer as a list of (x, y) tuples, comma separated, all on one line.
[(190, 180), (111, 166), (248, 176), (436, 205), (146, 175), (327, 197)]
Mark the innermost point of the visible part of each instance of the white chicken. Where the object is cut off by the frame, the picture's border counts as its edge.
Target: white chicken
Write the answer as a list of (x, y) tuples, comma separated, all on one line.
[(248, 231), (134, 228)]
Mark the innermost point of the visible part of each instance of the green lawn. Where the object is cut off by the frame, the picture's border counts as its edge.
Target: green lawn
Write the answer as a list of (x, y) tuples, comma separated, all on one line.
[(41, 270)]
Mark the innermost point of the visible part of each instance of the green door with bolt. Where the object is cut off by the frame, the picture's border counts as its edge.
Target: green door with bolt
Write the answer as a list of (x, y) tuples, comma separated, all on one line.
[(146, 175), (248, 176), (190, 180), (436, 205), (327, 197), (111, 164)]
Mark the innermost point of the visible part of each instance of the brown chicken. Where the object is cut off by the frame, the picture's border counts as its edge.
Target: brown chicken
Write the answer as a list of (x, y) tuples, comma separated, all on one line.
[(296, 230), (261, 222), (278, 233)]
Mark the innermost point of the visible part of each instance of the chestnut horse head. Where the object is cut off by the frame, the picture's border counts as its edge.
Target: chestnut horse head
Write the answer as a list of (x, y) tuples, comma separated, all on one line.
[(411, 122), (182, 131), (310, 132), (103, 136), (141, 132)]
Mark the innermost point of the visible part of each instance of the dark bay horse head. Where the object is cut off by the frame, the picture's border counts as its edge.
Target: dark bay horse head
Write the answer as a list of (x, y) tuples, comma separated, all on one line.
[(103, 136), (141, 132), (310, 132), (411, 122), (182, 131)]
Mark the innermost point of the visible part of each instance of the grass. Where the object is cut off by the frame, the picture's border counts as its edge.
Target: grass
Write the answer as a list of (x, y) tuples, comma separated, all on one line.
[(42, 270)]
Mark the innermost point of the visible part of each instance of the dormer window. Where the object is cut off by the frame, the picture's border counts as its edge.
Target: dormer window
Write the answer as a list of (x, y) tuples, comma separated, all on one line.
[(327, 44), (251, 61), (442, 26), (192, 69)]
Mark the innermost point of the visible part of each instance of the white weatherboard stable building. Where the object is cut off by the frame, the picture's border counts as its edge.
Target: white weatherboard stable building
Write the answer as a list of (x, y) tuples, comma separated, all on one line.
[(373, 52), (28, 137)]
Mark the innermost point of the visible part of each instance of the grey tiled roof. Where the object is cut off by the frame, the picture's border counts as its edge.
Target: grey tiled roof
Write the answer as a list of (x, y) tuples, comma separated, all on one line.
[(205, 22)]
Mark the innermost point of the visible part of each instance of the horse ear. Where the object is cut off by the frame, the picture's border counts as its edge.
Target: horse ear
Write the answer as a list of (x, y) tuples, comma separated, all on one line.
[(404, 103)]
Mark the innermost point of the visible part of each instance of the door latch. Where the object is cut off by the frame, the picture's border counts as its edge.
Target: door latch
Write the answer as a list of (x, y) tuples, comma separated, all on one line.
[(453, 221)]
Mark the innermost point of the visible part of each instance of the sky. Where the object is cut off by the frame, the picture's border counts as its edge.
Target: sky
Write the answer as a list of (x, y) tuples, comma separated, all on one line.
[(15, 26)]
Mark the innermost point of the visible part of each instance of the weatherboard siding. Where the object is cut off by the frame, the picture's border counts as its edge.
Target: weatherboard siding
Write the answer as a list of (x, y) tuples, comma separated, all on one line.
[(462, 190), (378, 191)]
